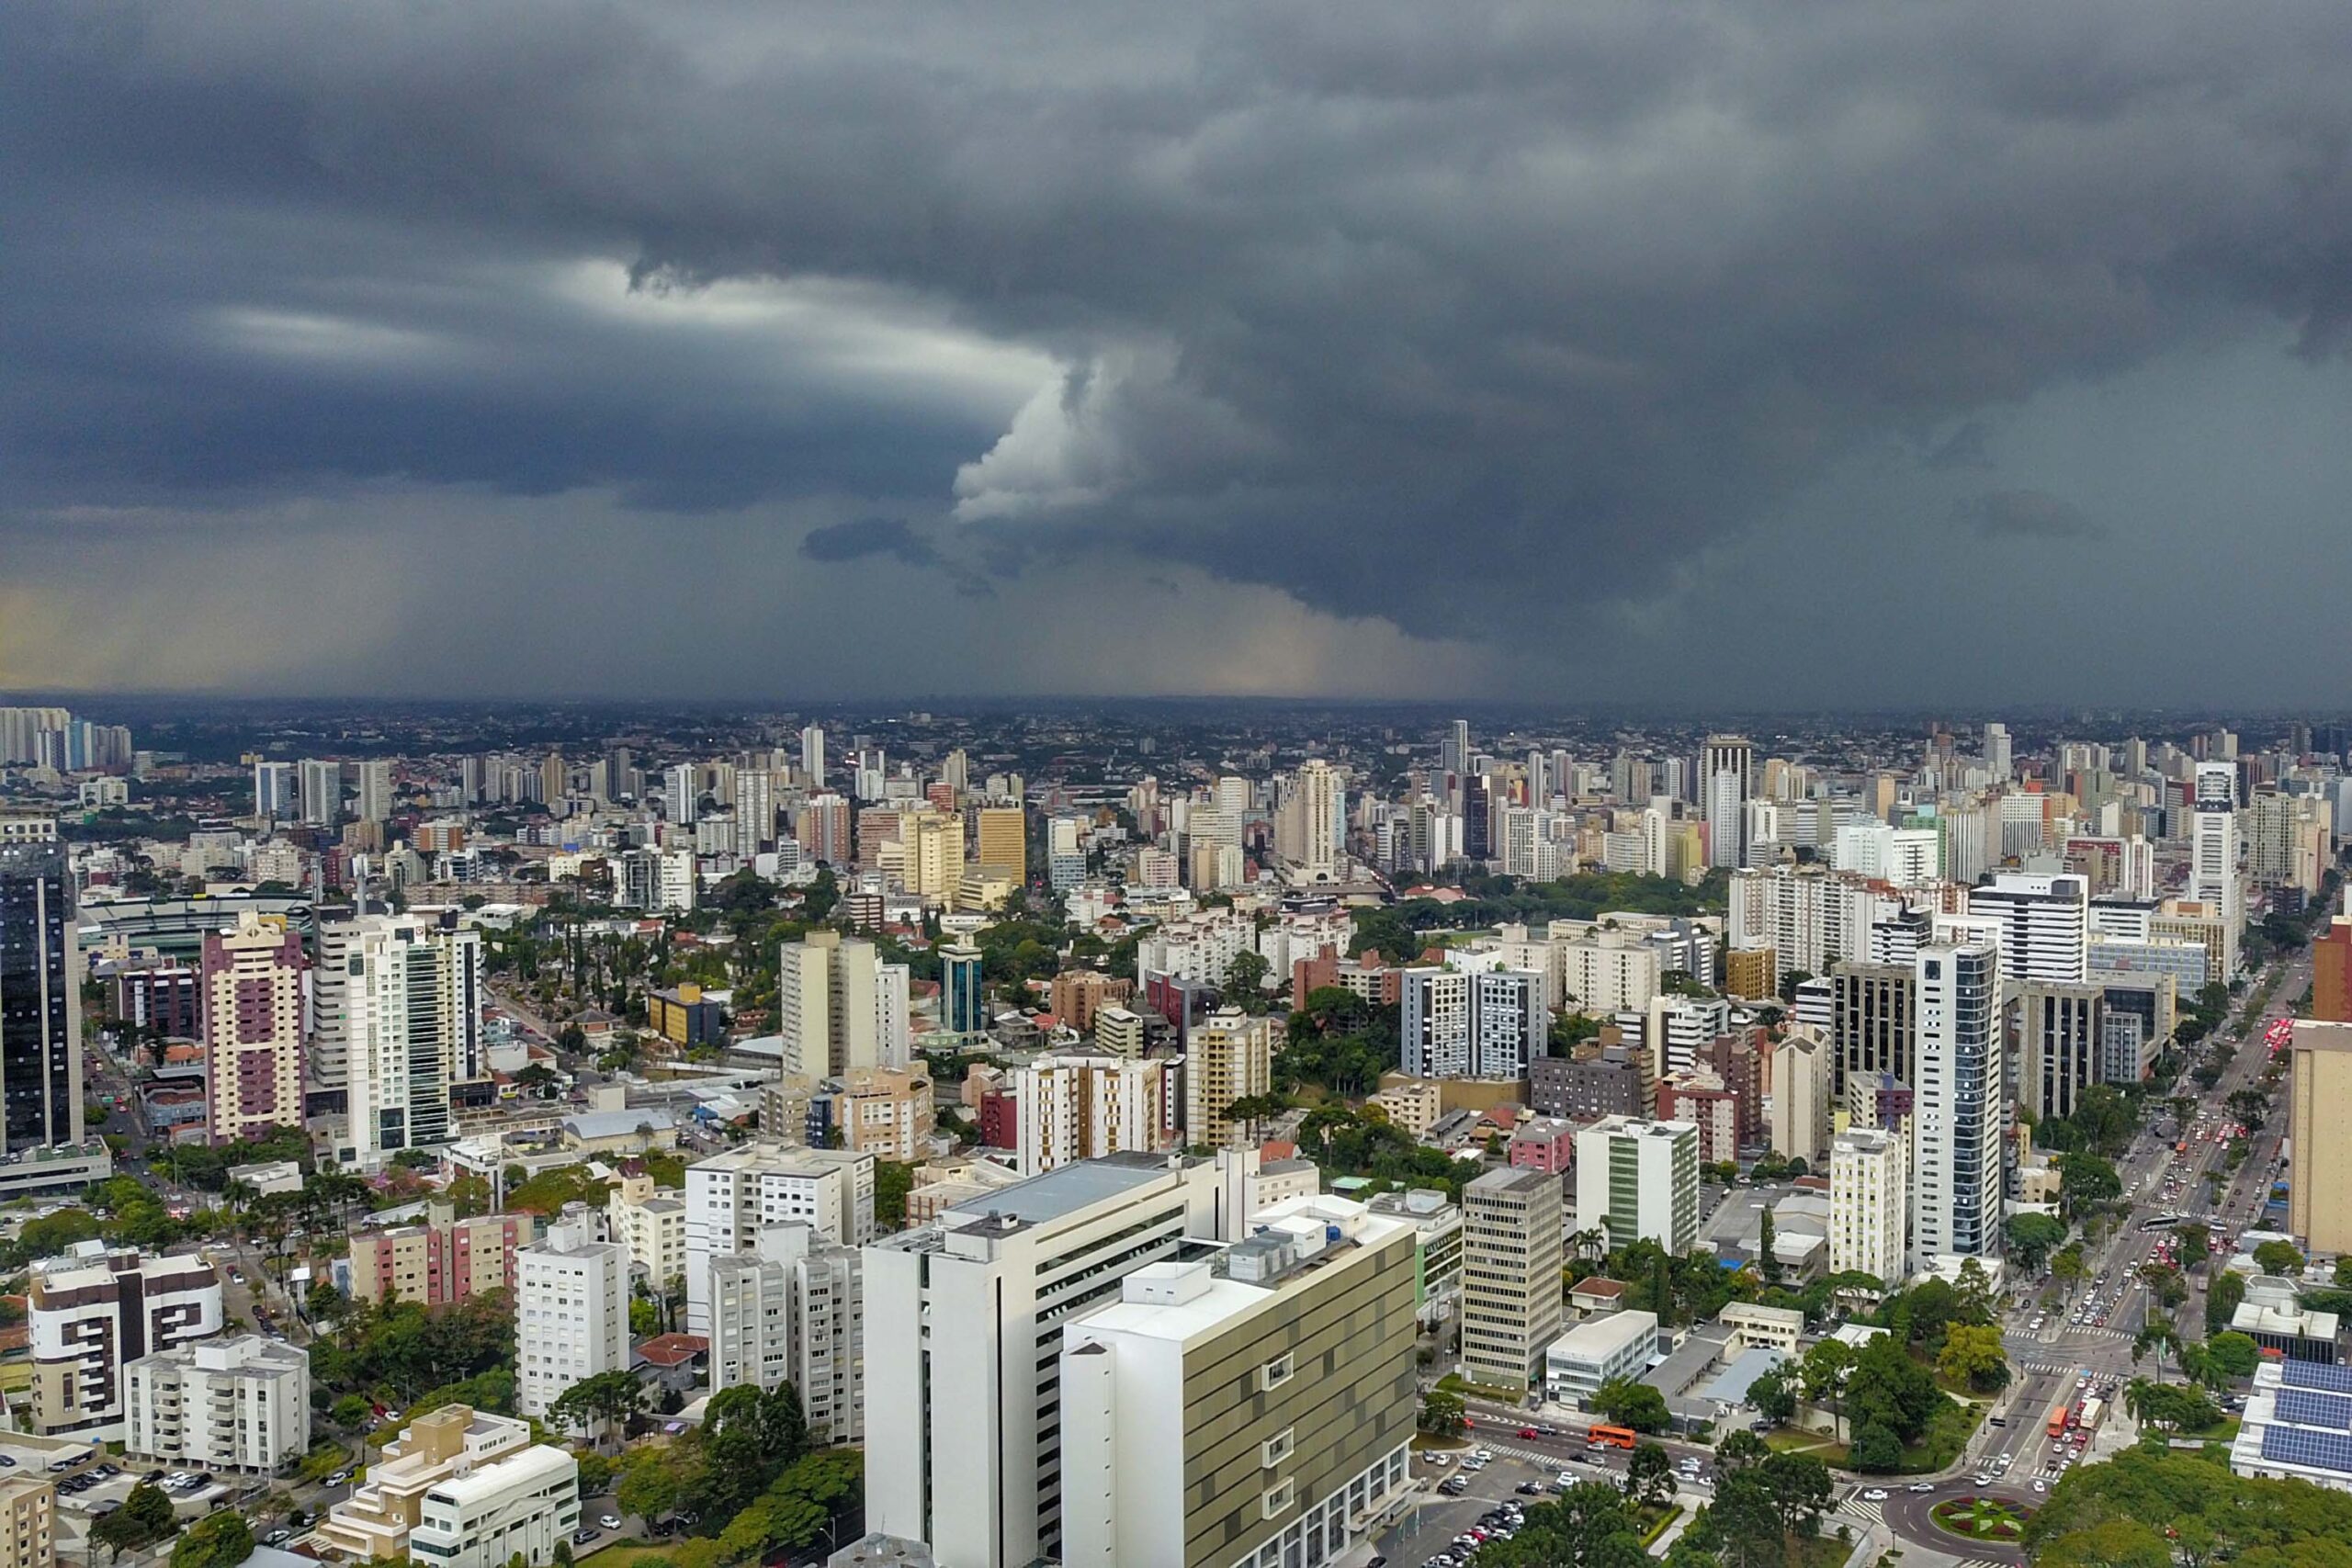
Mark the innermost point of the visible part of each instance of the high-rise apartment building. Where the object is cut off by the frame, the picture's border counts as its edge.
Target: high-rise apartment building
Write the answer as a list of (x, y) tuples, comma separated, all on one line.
[(1726, 779), (1256, 1407), (822, 829), (1512, 1300), (812, 754), (375, 803), (274, 792), (1229, 1056), (1870, 1203), (571, 1311), (1803, 1094), (650, 1221), (252, 991), (791, 1311), (40, 998), (93, 1312), (2319, 1088), (1080, 1105), (731, 1197), (2332, 973), (320, 784), (966, 1320), (1961, 1107), (1472, 1023), (1638, 1180), (242, 1403), (839, 1008), (2214, 876), (409, 1000)]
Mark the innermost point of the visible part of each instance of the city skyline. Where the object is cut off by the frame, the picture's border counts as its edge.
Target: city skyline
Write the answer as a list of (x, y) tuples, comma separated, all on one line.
[(1576, 356)]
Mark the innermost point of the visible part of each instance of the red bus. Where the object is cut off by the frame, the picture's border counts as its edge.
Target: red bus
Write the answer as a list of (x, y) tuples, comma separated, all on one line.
[(1612, 1437), (2059, 1417)]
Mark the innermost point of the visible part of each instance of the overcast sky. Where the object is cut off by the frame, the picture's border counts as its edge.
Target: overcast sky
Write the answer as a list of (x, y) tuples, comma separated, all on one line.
[(1745, 353)]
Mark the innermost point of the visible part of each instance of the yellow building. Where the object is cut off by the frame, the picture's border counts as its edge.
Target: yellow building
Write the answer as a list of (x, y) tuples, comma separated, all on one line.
[(1229, 1056), (28, 1523), (930, 855), (1002, 842), (1748, 973), (2319, 1198)]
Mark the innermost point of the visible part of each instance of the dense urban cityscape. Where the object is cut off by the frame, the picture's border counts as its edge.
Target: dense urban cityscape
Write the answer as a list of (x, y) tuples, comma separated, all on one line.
[(1250, 784), (1165, 1132)]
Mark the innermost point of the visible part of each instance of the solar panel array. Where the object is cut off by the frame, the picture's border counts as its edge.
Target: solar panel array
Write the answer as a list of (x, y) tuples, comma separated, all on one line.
[(2304, 1407), (2317, 1450), (2313, 1374)]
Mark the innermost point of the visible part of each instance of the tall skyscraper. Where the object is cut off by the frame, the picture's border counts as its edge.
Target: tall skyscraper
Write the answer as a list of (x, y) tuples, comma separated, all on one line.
[(2319, 1196), (322, 791), (1001, 842), (275, 795), (2045, 925), (1511, 1297), (1461, 1023), (839, 1008), (1638, 1180), (40, 1005), (1997, 760), (1869, 1204), (2213, 878), (681, 793), (1962, 1107), (413, 995), (1229, 1056), (250, 987), (1727, 778), (375, 803), (812, 755)]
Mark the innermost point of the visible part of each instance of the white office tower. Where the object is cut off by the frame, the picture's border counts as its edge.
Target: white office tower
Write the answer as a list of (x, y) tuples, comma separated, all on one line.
[(1907, 857), (571, 1311), (2045, 922), (1471, 1024), (1638, 1180), (1256, 1407), (2214, 855), (241, 1403), (730, 1198), (1677, 1028), (275, 790), (318, 785), (1869, 1204), (1961, 1106), (839, 1008), (812, 755), (1997, 760), (411, 1001), (965, 1326), (375, 804), (681, 793), (1727, 778), (790, 1311)]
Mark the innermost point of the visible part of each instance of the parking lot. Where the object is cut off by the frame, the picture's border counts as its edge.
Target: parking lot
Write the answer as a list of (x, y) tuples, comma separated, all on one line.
[(1462, 1492)]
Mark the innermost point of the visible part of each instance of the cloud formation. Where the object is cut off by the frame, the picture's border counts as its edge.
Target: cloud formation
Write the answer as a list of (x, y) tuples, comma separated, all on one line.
[(2027, 514), (1456, 319)]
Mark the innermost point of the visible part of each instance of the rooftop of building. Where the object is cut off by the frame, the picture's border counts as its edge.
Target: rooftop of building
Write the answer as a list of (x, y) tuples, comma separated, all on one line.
[(673, 1349), (1731, 1385), (1058, 1193), (1597, 1339)]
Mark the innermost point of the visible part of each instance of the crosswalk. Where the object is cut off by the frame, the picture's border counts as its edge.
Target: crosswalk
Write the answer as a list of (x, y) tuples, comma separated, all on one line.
[(1864, 1512)]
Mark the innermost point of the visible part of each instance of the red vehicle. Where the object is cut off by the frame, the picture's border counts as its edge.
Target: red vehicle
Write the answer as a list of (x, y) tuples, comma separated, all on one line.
[(1529, 1432), (1612, 1438), (2059, 1417)]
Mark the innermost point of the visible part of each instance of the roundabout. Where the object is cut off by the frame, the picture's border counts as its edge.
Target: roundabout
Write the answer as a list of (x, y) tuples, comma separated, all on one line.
[(1982, 1521)]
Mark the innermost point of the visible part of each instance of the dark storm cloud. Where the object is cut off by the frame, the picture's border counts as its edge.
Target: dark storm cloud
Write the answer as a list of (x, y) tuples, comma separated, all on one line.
[(1452, 316), (2027, 514), (864, 536)]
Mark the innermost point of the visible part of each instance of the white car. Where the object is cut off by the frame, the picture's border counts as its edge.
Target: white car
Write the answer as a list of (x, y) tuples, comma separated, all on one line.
[(2041, 1486), (1921, 1486), (1875, 1495), (1481, 1455)]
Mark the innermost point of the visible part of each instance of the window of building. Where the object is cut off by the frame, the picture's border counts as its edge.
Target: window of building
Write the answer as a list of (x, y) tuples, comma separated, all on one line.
[(1276, 1448), (1277, 1498), (1274, 1373)]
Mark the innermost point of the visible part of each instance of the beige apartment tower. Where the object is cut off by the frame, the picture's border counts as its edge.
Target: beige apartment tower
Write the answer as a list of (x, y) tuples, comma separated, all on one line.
[(1512, 1292), (2319, 1193), (1228, 1057)]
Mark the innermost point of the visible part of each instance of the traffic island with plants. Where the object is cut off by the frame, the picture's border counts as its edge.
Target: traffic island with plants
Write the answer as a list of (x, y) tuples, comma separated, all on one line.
[(1982, 1519)]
